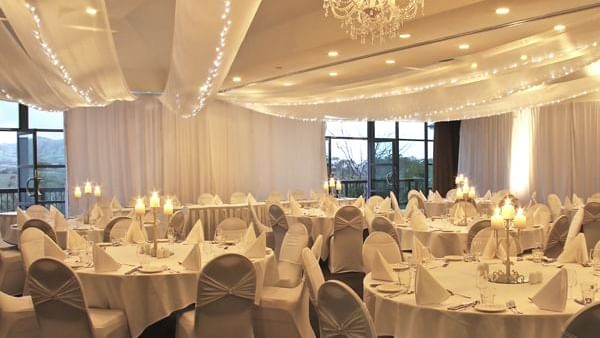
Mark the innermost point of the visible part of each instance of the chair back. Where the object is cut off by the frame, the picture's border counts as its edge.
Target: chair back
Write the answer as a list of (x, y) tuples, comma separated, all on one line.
[(374, 201), (313, 274), (38, 211), (256, 223), (557, 237), (35, 244), (290, 257), (177, 222), (279, 224), (475, 228), (395, 205), (206, 199), (225, 298), (116, 228), (347, 238), (58, 300), (342, 313), (584, 324), (238, 198), (591, 223), (232, 228), (317, 247), (417, 200), (298, 195), (383, 224), (40, 225), (384, 243), (555, 205), (538, 214)]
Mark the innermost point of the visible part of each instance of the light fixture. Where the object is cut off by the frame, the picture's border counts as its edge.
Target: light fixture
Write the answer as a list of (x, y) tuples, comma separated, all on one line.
[(333, 74), (474, 65), (91, 11), (390, 61), (524, 57), (236, 79), (377, 19), (502, 10), (333, 53), (287, 84), (464, 46), (404, 36), (559, 28), (593, 69)]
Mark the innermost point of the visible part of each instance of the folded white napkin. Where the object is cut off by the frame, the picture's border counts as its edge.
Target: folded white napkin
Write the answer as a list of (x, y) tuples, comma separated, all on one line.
[(380, 268), (196, 235), (218, 200), (567, 205), (488, 195), (52, 249), (491, 250), (553, 295), (417, 219), (53, 212), (430, 196), (385, 205), (60, 223), (428, 291), (541, 217), (193, 261), (136, 233), (295, 207), (74, 240), (96, 214), (249, 236), (22, 217), (103, 262), (437, 198), (422, 195), (398, 217), (575, 226), (577, 201), (411, 205), (115, 204), (420, 252), (251, 198), (257, 248), (360, 202), (575, 251)]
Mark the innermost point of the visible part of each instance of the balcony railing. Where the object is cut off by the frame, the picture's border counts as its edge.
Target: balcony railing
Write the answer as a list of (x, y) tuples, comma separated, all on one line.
[(355, 188), (9, 198)]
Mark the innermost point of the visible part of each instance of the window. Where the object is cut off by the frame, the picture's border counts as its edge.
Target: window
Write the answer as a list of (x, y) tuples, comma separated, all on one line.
[(31, 145), (347, 154)]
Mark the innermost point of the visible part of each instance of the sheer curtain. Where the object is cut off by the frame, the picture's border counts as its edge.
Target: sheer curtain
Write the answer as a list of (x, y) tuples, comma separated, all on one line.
[(131, 148)]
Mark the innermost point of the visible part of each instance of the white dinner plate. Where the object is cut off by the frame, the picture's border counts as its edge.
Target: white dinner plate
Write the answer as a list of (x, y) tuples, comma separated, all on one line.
[(399, 266), (453, 258), (151, 269), (76, 265), (491, 308), (389, 288)]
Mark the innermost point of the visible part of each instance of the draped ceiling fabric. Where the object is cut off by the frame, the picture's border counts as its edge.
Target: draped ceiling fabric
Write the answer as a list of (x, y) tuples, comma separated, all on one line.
[(206, 39), (70, 50), (131, 148), (492, 82)]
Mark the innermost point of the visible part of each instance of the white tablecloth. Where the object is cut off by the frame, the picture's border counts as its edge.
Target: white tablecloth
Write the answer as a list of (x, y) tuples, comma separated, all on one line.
[(443, 238), (400, 316), (147, 298)]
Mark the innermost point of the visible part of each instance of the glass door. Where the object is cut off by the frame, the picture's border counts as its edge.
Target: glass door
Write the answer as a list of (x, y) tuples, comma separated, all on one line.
[(384, 172), (26, 150)]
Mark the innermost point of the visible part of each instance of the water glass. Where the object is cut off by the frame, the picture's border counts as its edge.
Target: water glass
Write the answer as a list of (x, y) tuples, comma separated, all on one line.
[(536, 255), (595, 260), (487, 295), (572, 281), (171, 237), (588, 291), (141, 253)]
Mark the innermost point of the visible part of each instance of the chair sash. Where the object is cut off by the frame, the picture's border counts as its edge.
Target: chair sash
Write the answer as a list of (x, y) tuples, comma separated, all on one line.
[(277, 217), (211, 290), (557, 237), (355, 222), (589, 217), (354, 326), (68, 293)]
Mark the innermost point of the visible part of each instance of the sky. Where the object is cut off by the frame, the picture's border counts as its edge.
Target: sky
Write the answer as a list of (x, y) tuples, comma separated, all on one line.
[(9, 118)]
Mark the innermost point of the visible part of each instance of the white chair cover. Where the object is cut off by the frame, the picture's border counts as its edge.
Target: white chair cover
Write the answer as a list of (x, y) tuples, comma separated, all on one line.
[(279, 225), (206, 199), (178, 223), (317, 247), (346, 240), (17, 317), (384, 243), (35, 245), (557, 237), (238, 198), (555, 205), (225, 300), (274, 197), (40, 225), (313, 274), (297, 195), (451, 195), (383, 224), (290, 257), (373, 201), (38, 211), (233, 228), (60, 307), (591, 223), (342, 313), (117, 228), (369, 217), (12, 274), (584, 324), (474, 229)]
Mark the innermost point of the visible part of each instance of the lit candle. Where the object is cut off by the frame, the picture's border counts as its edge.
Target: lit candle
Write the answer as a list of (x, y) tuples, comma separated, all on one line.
[(466, 180), (97, 191), (457, 180), (140, 208), (508, 210), (77, 192), (497, 221), (520, 220), (325, 187), (332, 182), (459, 193), (338, 185), (168, 207), (154, 200), (87, 188), (472, 193)]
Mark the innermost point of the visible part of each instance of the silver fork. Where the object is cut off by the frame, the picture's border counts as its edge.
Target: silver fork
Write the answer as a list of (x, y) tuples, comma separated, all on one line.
[(513, 307)]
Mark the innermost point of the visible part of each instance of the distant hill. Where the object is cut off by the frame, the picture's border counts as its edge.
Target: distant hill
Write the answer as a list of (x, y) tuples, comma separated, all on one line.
[(49, 152)]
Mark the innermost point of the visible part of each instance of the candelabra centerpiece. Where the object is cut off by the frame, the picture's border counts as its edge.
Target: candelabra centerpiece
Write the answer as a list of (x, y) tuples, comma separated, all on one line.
[(464, 193), (88, 191), (332, 187), (506, 219)]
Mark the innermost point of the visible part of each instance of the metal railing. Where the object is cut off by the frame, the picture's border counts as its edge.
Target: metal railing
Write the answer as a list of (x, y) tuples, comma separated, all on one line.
[(9, 198), (355, 188)]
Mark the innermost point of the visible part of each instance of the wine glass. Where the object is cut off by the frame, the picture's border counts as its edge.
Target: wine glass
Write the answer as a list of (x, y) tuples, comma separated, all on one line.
[(171, 237), (477, 246), (572, 281), (219, 235), (141, 254)]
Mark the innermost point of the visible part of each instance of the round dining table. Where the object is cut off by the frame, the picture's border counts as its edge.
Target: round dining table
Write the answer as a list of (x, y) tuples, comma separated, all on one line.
[(149, 297), (398, 315)]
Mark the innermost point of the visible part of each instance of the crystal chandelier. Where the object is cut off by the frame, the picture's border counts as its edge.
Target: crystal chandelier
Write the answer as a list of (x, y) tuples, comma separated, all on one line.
[(379, 19)]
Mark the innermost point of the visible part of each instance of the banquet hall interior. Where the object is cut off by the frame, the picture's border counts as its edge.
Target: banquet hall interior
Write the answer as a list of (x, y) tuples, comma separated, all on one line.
[(299, 168)]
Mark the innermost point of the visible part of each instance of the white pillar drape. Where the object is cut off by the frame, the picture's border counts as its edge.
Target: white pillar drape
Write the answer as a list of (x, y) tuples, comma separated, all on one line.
[(131, 148)]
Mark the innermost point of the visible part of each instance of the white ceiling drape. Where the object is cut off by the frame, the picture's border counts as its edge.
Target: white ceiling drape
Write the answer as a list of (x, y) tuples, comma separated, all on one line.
[(206, 39), (71, 46)]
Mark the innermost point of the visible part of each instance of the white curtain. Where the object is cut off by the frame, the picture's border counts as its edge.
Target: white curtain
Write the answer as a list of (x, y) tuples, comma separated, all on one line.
[(485, 151), (131, 148)]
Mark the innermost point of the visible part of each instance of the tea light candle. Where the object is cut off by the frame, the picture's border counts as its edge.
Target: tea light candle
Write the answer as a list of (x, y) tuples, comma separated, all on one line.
[(508, 210), (338, 185), (472, 193), (87, 188), (497, 220), (77, 192), (97, 191), (332, 182), (154, 200), (520, 220), (168, 207), (459, 193), (140, 208)]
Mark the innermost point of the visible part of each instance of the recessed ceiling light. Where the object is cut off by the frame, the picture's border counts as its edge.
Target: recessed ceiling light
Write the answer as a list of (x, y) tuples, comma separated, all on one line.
[(502, 10), (333, 53), (333, 74), (524, 57), (287, 84), (404, 36), (560, 28), (236, 79), (474, 65), (390, 61), (91, 11), (464, 46)]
